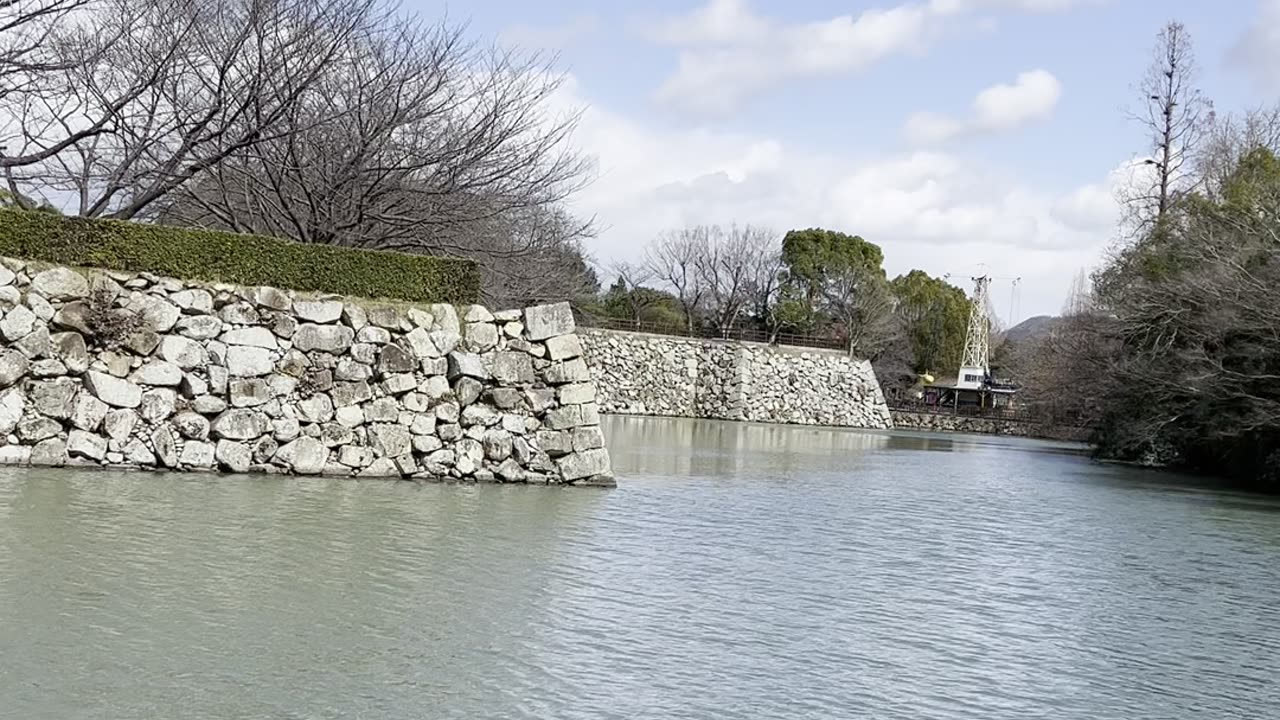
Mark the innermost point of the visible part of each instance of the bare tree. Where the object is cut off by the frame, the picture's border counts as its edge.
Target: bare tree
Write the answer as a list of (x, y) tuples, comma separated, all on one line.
[(730, 271), (765, 290), (1172, 111), (537, 256), (1229, 137), (858, 299), (418, 141), (185, 85), (677, 259), (635, 301), (39, 113)]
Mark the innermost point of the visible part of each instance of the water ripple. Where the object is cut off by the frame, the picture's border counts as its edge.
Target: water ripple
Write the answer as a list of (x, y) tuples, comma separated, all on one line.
[(739, 572)]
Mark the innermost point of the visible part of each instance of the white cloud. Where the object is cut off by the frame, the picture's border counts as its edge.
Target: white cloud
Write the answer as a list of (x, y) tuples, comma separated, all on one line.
[(550, 37), (1032, 96), (729, 53), (1258, 50), (718, 22), (933, 210)]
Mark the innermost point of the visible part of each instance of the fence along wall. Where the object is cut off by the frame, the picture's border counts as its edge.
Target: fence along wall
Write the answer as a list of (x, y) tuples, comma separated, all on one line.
[(643, 374), (135, 370)]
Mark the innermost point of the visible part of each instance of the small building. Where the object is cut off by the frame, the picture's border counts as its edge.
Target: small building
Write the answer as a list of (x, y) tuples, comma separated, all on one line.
[(973, 389)]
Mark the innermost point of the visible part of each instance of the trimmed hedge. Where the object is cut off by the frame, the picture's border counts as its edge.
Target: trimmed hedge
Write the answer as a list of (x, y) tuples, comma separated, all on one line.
[(195, 254)]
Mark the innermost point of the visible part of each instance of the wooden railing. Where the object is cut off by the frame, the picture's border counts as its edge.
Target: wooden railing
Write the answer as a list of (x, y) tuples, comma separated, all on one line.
[(744, 334)]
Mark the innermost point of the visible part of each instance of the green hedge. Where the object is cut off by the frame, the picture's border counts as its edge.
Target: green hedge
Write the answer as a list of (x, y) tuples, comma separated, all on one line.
[(194, 254)]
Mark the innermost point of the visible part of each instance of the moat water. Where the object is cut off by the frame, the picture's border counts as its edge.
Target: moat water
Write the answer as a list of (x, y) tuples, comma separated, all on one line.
[(739, 571)]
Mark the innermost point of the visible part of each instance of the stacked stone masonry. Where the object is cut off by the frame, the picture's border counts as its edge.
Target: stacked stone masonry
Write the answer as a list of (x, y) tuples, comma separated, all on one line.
[(219, 377), (944, 422), (643, 374)]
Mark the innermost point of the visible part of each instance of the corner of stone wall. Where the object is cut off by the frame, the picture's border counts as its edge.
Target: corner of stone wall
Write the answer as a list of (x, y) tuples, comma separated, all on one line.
[(218, 377)]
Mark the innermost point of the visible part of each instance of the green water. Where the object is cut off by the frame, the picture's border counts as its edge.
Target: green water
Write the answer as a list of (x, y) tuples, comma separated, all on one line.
[(738, 572)]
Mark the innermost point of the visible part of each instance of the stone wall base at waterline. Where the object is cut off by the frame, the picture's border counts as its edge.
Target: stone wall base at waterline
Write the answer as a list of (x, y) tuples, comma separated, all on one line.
[(645, 374), (133, 370)]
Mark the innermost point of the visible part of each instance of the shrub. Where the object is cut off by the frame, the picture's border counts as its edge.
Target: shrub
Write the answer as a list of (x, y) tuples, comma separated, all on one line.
[(110, 326), (195, 254)]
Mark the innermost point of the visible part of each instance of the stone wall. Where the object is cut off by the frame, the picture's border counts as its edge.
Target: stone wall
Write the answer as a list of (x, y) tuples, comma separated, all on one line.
[(643, 374), (943, 422), (112, 369)]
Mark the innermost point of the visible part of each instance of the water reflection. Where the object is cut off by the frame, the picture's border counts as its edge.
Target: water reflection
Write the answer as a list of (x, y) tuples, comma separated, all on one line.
[(681, 447), (739, 571)]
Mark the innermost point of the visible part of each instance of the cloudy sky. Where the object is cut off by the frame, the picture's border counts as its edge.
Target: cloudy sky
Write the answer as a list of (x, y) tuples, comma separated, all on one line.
[(953, 133)]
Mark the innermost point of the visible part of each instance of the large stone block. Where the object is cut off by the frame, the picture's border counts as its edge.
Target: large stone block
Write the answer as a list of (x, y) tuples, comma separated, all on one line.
[(570, 371), (445, 340), (157, 404), (49, 453), (316, 409), (191, 425), (446, 318), (183, 352), (15, 455), (252, 337), (233, 456), (246, 361), (17, 323), (421, 344), (136, 452), (335, 339), (512, 368), (54, 398), (555, 443), (564, 418), (576, 394), (583, 465), (467, 365), (272, 298), (373, 335), (350, 393), (304, 456), (239, 424), (160, 373), (12, 404), (481, 336), (467, 390), (193, 301), (199, 327), (37, 428), (564, 347), (37, 344), (587, 438), (60, 283), (548, 321), (390, 440), (13, 365), (318, 311), (86, 445), (395, 359), (165, 447), (197, 454), (159, 314), (249, 392), (119, 424), (89, 412), (385, 317)]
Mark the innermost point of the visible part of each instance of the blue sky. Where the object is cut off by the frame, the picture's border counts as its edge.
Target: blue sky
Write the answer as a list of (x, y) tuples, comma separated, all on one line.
[(951, 132)]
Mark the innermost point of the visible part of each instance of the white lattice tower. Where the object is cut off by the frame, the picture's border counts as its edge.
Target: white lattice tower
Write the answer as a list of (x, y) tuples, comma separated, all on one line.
[(977, 340)]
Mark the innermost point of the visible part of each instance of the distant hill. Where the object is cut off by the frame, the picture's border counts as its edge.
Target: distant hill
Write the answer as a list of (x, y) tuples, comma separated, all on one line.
[(1032, 328)]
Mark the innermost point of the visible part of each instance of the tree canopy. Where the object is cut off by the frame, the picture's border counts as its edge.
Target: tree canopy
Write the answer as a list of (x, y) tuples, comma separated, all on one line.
[(936, 314)]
